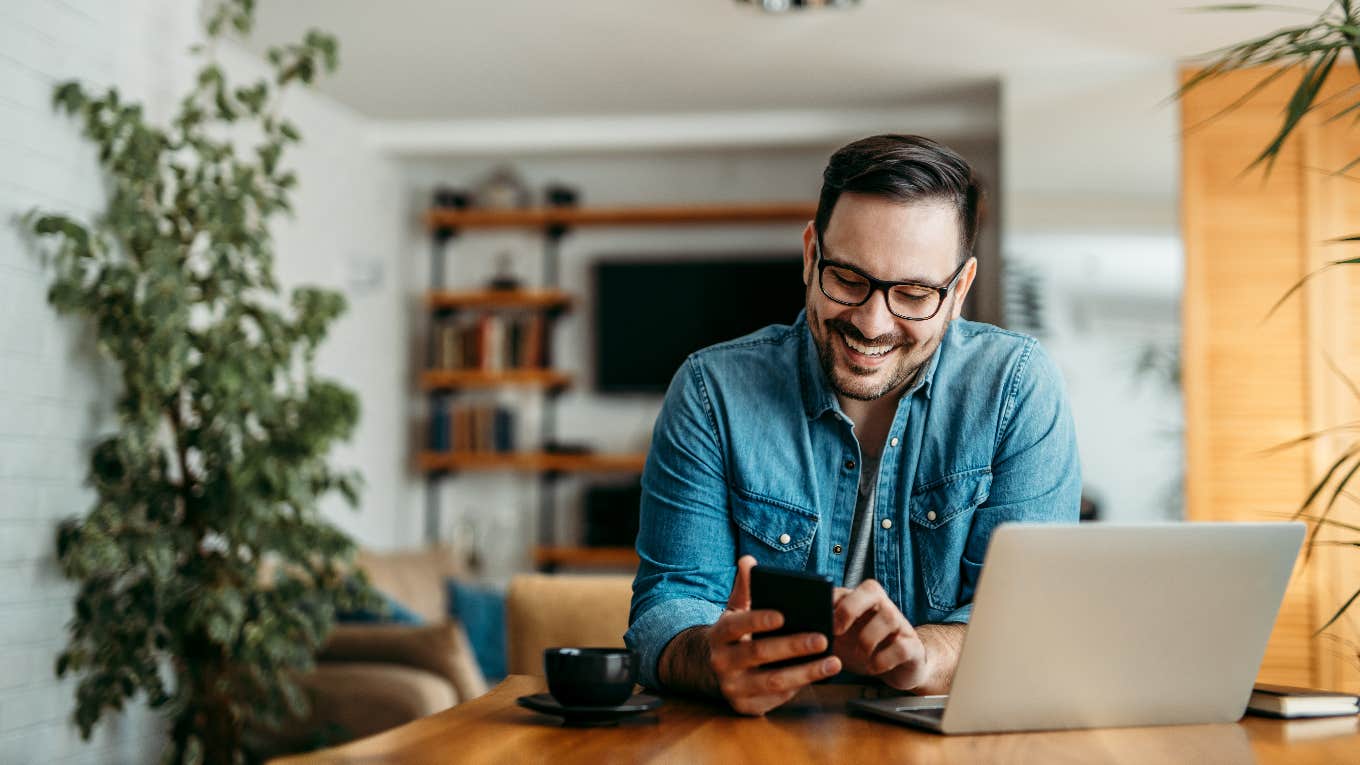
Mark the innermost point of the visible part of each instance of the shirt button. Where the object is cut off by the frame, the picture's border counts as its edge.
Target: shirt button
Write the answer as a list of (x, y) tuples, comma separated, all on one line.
[(887, 523), (849, 464), (930, 516), (893, 442), (784, 539), (836, 549)]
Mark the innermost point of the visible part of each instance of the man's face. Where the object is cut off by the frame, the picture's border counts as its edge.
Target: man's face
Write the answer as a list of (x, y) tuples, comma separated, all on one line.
[(866, 351)]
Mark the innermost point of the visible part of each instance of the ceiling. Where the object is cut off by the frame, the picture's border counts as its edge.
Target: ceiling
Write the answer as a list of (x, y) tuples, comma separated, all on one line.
[(484, 59)]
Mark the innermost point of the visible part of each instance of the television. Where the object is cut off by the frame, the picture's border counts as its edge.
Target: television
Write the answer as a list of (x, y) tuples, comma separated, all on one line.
[(650, 314)]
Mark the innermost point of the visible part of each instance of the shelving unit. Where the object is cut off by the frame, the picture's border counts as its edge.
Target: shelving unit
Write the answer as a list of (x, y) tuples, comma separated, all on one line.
[(556, 222)]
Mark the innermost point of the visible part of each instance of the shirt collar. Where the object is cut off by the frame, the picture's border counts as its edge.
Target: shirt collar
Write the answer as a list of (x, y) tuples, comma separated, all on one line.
[(819, 398)]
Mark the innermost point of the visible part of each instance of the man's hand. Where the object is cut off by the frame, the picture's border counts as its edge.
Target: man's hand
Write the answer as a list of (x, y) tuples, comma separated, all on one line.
[(874, 638), (734, 656)]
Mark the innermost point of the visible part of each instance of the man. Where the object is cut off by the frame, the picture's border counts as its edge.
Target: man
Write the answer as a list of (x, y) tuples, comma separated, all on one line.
[(878, 440)]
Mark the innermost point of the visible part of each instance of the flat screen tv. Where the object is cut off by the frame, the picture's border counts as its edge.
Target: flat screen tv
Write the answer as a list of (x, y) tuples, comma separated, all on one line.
[(651, 314)]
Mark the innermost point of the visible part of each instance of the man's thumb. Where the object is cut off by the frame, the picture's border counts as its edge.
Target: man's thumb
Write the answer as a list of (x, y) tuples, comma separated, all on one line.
[(740, 599)]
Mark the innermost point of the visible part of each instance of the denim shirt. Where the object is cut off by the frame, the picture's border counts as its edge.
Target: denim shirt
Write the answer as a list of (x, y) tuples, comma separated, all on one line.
[(751, 454)]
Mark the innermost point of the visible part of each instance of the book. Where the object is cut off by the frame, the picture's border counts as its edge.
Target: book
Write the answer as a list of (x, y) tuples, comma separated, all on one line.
[(1287, 701)]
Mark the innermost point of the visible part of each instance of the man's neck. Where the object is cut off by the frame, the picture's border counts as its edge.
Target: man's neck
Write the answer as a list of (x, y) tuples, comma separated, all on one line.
[(872, 419)]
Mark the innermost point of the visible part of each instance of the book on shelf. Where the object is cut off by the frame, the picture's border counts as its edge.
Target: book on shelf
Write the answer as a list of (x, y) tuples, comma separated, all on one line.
[(1288, 701), (491, 342), (476, 428)]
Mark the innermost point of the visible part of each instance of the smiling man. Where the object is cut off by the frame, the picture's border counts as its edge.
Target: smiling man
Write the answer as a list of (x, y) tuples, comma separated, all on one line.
[(878, 440)]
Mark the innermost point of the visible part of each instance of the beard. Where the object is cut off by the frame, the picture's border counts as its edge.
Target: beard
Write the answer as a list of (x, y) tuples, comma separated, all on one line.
[(870, 383)]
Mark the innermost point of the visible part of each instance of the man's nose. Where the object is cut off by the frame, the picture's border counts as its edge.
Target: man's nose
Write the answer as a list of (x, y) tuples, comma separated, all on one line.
[(873, 319)]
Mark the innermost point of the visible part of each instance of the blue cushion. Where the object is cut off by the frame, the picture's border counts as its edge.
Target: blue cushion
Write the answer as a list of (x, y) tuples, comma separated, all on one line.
[(391, 612), (481, 611)]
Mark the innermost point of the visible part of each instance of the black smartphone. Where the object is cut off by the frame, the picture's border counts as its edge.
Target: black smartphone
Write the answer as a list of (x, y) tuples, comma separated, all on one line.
[(804, 600)]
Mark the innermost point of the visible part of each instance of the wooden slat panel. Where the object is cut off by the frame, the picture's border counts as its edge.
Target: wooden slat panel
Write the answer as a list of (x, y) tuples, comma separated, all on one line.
[(1244, 377), (1251, 383)]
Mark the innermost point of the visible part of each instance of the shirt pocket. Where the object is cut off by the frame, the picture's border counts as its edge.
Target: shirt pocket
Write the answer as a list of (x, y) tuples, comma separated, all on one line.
[(777, 533), (941, 517)]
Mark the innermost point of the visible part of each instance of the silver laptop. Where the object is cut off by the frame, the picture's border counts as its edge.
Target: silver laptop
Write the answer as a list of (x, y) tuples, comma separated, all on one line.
[(1104, 625)]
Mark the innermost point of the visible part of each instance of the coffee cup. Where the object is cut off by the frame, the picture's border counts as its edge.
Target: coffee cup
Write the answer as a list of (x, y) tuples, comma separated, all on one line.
[(589, 677)]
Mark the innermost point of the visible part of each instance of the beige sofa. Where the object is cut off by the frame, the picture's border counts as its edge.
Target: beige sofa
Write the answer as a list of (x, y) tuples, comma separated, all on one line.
[(371, 677)]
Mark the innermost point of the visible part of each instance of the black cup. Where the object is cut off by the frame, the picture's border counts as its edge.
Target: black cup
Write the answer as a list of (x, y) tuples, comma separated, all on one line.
[(589, 677)]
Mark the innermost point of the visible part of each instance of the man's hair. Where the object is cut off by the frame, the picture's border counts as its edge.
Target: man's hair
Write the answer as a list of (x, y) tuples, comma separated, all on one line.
[(904, 168)]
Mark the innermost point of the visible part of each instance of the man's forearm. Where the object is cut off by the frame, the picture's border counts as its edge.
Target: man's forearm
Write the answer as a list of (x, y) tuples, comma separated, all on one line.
[(684, 664), (943, 642)]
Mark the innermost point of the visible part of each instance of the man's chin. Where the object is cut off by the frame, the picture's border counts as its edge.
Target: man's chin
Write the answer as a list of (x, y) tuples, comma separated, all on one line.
[(862, 384)]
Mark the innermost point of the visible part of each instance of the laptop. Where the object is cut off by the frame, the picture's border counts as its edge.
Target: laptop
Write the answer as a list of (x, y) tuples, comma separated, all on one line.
[(1102, 625)]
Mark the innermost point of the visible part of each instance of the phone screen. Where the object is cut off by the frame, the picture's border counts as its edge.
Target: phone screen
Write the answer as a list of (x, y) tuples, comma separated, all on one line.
[(804, 600)]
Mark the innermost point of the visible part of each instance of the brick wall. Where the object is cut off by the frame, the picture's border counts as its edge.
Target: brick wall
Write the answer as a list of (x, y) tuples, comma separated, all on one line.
[(56, 394)]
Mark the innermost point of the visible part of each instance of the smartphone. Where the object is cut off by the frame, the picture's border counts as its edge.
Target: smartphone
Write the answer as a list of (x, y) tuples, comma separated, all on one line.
[(804, 600)]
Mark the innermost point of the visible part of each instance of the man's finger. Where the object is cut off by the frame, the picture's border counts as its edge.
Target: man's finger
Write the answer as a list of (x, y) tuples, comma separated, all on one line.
[(855, 604), (740, 599), (886, 622), (755, 653), (771, 682), (900, 650), (733, 625)]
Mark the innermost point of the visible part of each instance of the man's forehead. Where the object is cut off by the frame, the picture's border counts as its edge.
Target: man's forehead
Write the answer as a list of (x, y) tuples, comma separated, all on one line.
[(915, 241)]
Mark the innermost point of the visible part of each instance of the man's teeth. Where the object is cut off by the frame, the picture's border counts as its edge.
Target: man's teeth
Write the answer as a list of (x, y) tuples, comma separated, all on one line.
[(868, 350)]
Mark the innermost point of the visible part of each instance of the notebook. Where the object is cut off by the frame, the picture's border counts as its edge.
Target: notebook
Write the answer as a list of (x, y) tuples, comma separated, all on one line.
[(1287, 701)]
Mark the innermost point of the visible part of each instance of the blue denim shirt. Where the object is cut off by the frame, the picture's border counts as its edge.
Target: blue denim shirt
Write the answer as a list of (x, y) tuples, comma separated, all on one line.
[(751, 454)]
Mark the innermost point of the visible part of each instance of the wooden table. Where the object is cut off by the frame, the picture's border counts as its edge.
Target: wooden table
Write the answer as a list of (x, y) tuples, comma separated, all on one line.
[(814, 728)]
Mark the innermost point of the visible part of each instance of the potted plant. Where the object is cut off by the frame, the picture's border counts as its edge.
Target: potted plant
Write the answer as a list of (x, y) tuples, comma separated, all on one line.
[(216, 468), (1313, 49)]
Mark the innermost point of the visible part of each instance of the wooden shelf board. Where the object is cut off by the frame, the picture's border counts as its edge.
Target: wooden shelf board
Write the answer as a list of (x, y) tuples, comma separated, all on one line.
[(445, 379), (540, 299), (667, 215), (585, 556), (533, 462)]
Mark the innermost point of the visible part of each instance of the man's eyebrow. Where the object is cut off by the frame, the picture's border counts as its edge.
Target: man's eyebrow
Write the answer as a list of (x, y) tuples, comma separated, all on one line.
[(916, 279)]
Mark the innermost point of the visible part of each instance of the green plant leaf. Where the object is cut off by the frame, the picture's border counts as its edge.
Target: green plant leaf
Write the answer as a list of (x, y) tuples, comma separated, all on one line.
[(1338, 613)]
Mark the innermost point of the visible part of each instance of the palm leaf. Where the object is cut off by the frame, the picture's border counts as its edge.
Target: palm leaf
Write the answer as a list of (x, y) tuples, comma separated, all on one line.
[(1310, 437), (1299, 105), (1299, 284), (1328, 521), (1331, 362), (1339, 612)]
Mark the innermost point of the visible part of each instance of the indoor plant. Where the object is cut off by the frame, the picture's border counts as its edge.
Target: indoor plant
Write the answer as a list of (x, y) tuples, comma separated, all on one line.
[(1311, 50), (218, 462)]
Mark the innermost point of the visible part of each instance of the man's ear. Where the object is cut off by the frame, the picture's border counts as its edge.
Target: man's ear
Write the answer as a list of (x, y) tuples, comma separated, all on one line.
[(962, 286), (809, 252)]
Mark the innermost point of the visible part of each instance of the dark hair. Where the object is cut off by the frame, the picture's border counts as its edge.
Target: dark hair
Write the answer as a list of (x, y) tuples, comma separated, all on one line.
[(904, 168)]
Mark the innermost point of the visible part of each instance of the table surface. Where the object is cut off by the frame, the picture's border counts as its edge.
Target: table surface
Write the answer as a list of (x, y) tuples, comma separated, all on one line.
[(815, 728)]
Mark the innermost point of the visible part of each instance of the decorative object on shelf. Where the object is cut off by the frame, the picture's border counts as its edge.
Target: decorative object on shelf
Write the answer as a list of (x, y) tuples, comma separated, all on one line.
[(450, 198), (219, 463), (503, 189), (505, 279), (561, 195)]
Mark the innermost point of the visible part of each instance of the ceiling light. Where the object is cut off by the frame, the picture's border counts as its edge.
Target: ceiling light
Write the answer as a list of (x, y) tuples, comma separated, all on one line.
[(783, 6)]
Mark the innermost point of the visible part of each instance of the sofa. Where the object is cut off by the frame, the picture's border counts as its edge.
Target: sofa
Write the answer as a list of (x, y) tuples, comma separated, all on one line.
[(373, 676)]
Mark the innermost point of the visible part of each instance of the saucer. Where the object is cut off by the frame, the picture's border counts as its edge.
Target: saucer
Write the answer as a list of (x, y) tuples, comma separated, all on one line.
[(589, 716)]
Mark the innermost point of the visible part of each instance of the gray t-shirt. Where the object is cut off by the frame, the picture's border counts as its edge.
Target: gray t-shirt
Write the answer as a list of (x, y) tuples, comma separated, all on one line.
[(859, 560)]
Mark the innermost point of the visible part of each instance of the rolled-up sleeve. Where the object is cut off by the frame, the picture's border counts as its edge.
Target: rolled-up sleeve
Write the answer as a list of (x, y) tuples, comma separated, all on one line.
[(686, 540), (1036, 473)]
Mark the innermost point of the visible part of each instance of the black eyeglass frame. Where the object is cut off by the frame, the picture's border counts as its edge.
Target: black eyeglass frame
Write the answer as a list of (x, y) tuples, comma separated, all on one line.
[(879, 284)]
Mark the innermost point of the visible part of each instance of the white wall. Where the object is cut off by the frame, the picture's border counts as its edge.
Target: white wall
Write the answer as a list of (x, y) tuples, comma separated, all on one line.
[(497, 513), (55, 394), (1091, 189)]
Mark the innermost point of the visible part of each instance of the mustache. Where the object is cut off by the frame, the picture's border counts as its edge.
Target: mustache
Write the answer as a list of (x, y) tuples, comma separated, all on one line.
[(846, 328)]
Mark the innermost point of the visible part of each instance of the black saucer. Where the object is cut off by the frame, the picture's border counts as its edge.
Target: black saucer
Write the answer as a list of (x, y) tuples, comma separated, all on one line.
[(589, 716)]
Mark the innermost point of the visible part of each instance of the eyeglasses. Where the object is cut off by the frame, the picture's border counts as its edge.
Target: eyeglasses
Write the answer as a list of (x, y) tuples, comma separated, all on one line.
[(850, 286)]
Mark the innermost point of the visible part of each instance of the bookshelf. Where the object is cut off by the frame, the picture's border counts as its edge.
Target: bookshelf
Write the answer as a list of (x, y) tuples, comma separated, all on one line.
[(530, 367)]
